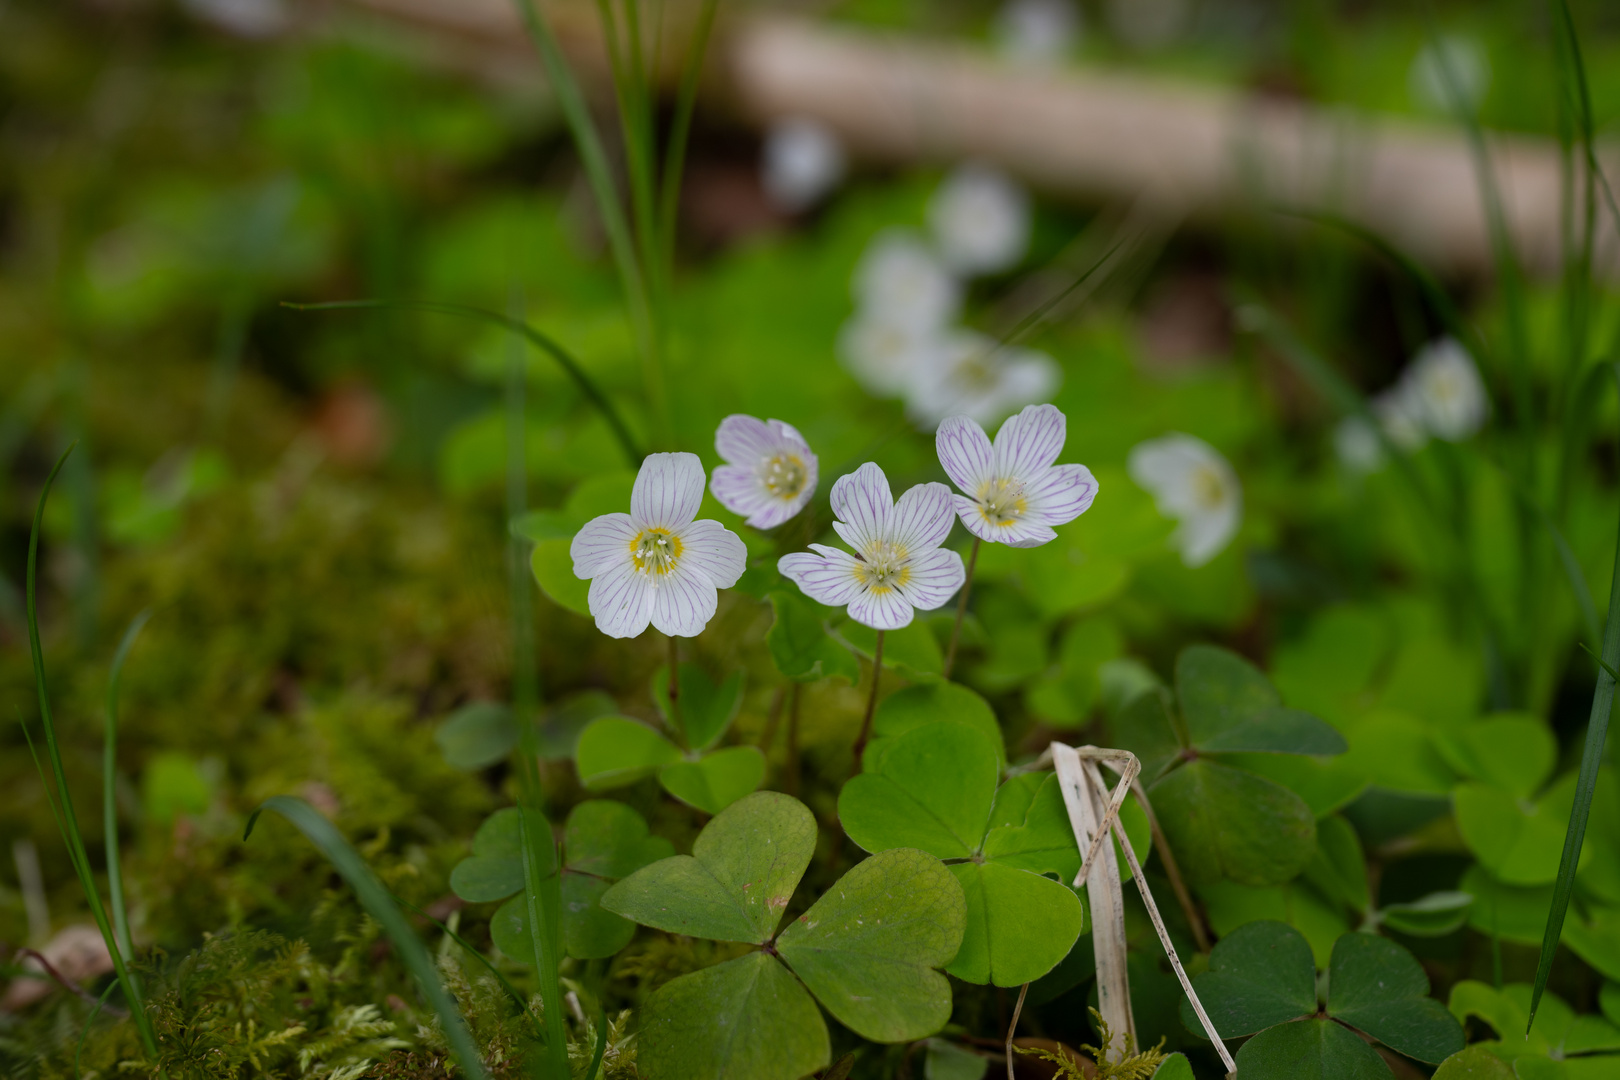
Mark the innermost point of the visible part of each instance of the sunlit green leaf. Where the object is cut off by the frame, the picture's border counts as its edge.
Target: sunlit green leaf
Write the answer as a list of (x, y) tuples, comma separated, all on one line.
[(716, 780), (1020, 925), (923, 703), (800, 643), (706, 709), (614, 751), (932, 791)]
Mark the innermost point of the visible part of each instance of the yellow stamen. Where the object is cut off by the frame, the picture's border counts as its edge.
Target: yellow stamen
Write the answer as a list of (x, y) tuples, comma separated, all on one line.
[(655, 551), (1208, 488), (883, 567), (1002, 502), (784, 476)]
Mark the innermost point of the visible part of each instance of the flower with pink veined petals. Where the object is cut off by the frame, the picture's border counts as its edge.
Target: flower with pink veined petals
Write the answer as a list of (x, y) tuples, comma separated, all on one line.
[(657, 564), (898, 565), (770, 471), (1013, 493)]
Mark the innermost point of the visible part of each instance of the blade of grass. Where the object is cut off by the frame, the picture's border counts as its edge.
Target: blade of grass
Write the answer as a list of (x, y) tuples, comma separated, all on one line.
[(679, 132), (545, 344), (589, 146), (62, 804), (1597, 731), (379, 904), (78, 1050), (541, 875), (109, 770)]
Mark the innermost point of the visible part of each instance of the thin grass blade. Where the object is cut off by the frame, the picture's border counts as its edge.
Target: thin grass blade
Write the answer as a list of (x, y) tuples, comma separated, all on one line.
[(62, 805), (514, 992), (547, 345), (379, 903), (1597, 731), (109, 772), (680, 130)]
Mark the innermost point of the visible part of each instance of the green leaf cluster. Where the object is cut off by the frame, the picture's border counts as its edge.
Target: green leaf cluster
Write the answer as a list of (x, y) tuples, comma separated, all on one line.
[(867, 950), (1261, 981)]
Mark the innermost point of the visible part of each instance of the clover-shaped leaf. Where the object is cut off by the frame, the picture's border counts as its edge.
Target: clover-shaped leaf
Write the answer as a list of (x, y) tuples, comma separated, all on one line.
[(614, 751), (602, 841), (867, 950), (1558, 1032), (1261, 979), (1229, 707), (1227, 823), (935, 789), (706, 708), (1518, 841), (801, 645), (925, 702)]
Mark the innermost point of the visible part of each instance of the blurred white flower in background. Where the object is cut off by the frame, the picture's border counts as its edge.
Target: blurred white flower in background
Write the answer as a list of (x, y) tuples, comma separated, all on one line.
[(1191, 482), (1401, 418), (1355, 441), (980, 219), (902, 282), (803, 163), (1036, 33), (975, 376), (244, 18), (1449, 72), (884, 356), (1446, 391)]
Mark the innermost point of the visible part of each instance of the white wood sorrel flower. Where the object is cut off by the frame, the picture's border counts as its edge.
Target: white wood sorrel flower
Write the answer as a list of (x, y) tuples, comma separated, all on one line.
[(770, 471), (898, 564), (981, 219), (1013, 493), (656, 564), (1192, 483)]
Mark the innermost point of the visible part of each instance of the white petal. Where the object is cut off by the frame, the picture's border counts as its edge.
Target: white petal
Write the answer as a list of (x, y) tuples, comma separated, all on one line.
[(1029, 442), (1020, 533), (743, 440), (863, 505), (829, 577), (668, 489), (1062, 494), (1166, 467), (602, 543), (901, 281), (1203, 536), (788, 438), (775, 511), (621, 601), (1447, 391), (739, 489), (935, 577), (713, 550), (683, 603), (922, 518), (981, 219), (964, 451), (886, 610)]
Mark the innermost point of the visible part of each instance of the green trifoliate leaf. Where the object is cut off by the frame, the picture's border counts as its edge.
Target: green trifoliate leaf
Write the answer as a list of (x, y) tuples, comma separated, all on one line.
[(869, 947), (1519, 842), (1020, 925), (925, 703), (1219, 690), (1474, 1063), (1259, 975), (1310, 1050), (495, 868), (1226, 823), (1513, 752), (1513, 913), (1277, 731), (478, 735), (1145, 728), (1230, 906), (745, 1019), (1326, 784), (614, 751), (716, 780), (1376, 986), (933, 791), (1041, 839), (1174, 1067), (610, 840), (801, 645), (706, 709), (737, 881)]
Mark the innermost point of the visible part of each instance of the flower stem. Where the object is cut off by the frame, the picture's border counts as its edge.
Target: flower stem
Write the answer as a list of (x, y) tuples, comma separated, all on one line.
[(871, 706), (961, 608), (790, 783), (674, 692)]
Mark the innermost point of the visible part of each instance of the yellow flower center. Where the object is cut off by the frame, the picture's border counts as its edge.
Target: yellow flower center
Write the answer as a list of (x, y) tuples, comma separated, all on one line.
[(655, 551), (1002, 502), (785, 476), (1208, 488), (883, 567)]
